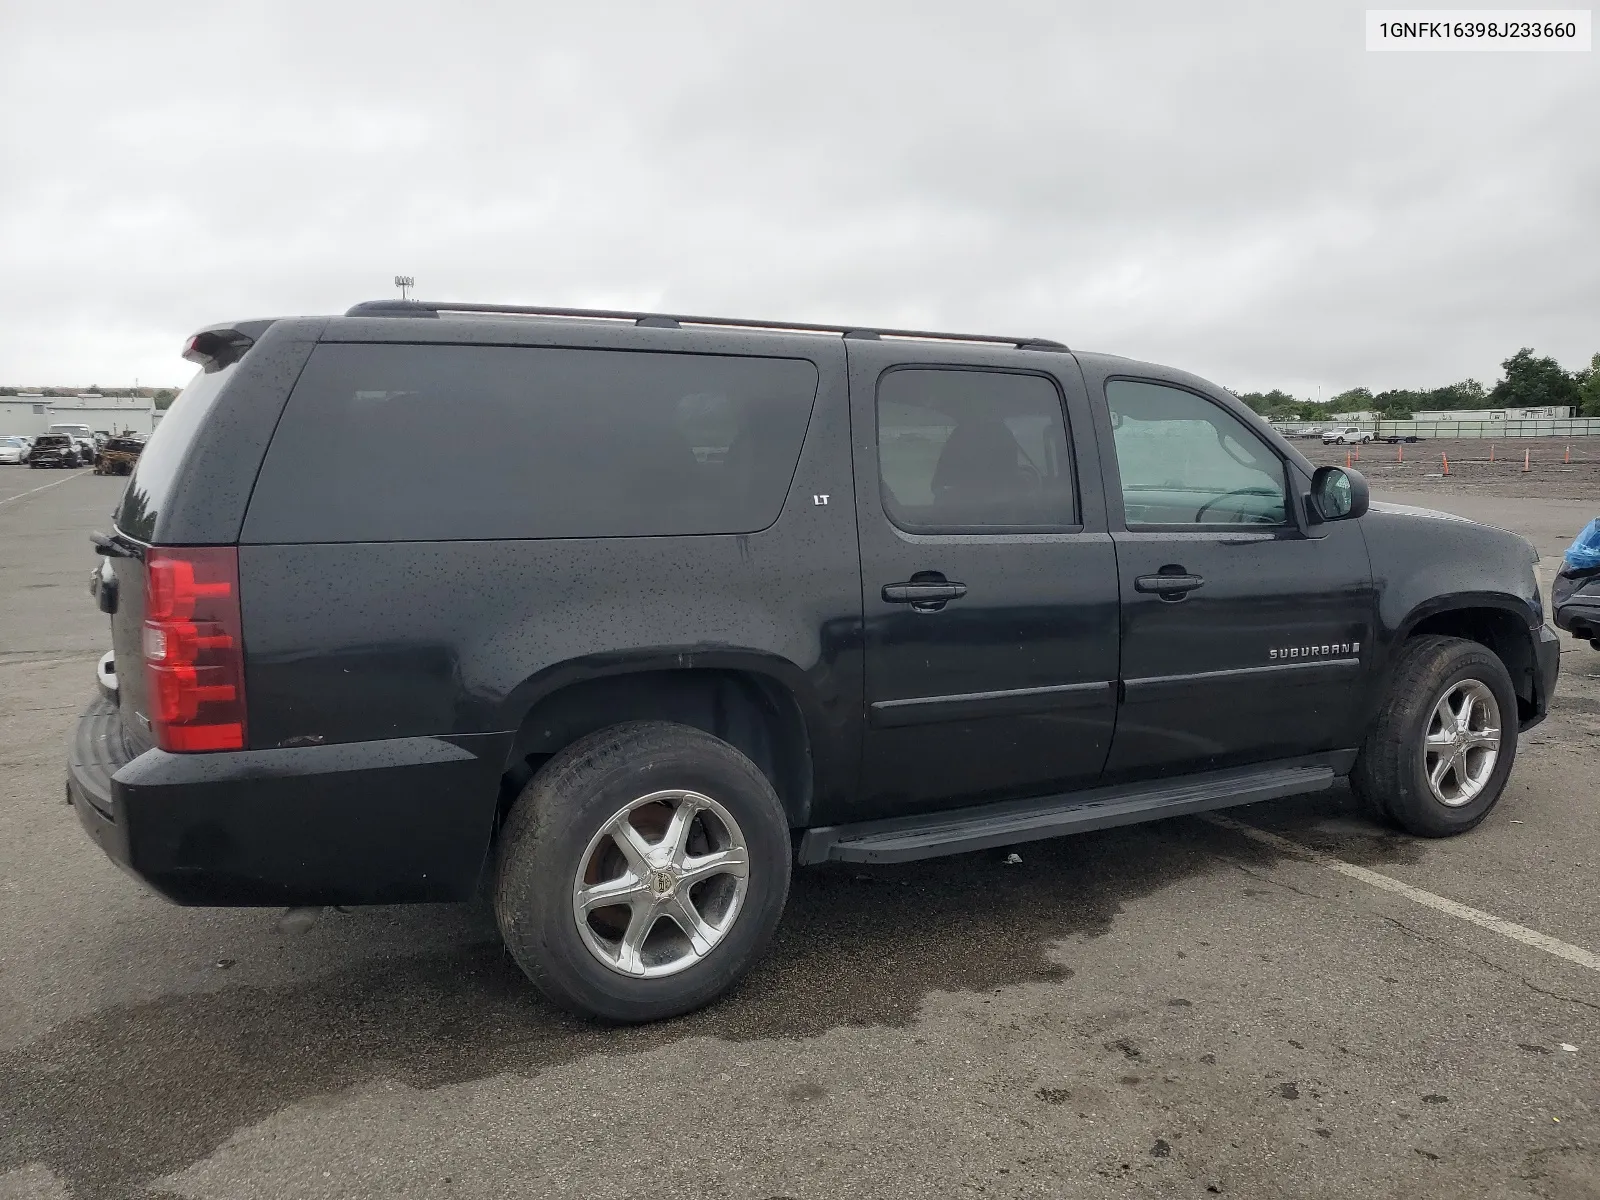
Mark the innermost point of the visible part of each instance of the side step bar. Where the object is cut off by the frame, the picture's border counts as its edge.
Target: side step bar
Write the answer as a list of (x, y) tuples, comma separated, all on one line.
[(960, 830)]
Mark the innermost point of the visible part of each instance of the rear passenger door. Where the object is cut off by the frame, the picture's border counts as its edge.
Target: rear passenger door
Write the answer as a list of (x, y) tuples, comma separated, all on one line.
[(988, 577)]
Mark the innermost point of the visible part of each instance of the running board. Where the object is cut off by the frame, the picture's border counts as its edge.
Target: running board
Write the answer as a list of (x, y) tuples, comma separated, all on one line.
[(984, 827)]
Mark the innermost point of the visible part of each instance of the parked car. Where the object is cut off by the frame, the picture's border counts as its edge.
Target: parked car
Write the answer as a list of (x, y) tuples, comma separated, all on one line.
[(1575, 591), (1346, 435), (118, 455), (82, 436), (56, 450), (920, 601), (13, 450)]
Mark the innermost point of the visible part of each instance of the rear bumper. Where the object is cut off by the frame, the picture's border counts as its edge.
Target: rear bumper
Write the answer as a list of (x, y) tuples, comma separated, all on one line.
[(1575, 600), (398, 821)]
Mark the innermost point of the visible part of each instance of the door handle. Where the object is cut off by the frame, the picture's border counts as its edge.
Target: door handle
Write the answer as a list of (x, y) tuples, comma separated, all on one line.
[(924, 595), (1172, 586)]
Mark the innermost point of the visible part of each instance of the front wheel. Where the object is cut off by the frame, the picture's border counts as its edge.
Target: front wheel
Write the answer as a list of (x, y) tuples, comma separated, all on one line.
[(1439, 754), (642, 872)]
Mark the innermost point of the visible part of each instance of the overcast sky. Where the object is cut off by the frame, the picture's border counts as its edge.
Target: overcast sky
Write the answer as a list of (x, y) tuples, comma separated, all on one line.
[(1240, 190)]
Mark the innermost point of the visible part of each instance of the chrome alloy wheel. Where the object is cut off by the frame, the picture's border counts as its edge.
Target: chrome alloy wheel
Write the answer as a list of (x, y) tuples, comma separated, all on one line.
[(661, 884), (1462, 744)]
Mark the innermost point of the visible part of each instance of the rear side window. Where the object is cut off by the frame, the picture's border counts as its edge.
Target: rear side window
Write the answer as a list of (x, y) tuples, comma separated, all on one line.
[(961, 449), (157, 472), (384, 443)]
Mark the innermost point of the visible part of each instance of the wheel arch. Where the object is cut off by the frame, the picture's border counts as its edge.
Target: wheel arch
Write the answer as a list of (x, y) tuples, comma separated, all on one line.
[(1496, 622), (749, 701)]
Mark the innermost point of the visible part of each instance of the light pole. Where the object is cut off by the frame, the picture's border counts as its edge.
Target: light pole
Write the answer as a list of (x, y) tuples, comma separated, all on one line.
[(403, 282)]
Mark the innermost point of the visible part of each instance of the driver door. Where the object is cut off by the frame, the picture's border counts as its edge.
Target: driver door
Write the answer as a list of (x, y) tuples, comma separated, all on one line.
[(1245, 632)]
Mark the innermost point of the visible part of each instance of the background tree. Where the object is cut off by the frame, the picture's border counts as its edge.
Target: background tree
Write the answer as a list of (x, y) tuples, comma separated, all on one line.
[(164, 398), (1532, 382), (1356, 399), (1270, 404), (1588, 381)]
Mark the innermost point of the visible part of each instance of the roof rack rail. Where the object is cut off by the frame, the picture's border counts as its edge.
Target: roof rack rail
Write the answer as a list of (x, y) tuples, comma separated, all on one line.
[(428, 308)]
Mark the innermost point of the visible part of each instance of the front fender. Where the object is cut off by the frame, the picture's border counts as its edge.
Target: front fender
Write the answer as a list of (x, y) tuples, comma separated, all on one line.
[(1436, 572)]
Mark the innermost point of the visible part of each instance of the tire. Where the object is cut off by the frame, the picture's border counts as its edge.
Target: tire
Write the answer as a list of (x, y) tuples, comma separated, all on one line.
[(1392, 769), (555, 841)]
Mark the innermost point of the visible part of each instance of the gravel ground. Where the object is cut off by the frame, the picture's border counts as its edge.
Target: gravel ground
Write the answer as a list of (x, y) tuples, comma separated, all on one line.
[(1419, 466), (1173, 1010)]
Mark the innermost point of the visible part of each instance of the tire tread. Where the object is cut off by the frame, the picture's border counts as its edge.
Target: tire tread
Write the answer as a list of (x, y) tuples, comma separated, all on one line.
[(1382, 775), (525, 903)]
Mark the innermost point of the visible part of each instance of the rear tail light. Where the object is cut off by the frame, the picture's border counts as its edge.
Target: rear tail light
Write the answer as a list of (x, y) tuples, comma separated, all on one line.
[(193, 648)]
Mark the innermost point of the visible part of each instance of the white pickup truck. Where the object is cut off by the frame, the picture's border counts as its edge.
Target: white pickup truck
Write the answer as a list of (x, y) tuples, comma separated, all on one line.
[(1346, 435)]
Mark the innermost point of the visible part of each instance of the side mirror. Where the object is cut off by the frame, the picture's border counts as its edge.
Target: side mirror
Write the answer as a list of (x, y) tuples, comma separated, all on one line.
[(1337, 494)]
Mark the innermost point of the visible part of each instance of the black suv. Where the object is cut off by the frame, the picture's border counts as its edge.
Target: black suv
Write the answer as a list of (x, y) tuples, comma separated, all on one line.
[(673, 603), (55, 450)]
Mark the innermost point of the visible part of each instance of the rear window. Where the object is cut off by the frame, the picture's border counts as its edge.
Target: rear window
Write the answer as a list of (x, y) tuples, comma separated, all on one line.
[(420, 443), (157, 472), (47, 440)]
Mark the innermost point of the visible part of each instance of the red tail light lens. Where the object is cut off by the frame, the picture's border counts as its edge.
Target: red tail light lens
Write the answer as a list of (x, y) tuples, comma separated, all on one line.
[(193, 648)]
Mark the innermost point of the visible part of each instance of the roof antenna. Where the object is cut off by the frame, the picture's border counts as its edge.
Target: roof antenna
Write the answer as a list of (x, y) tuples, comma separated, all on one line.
[(403, 282)]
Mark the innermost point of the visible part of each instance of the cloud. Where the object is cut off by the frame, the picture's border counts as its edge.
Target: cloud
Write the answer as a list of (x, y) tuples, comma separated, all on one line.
[(1242, 191)]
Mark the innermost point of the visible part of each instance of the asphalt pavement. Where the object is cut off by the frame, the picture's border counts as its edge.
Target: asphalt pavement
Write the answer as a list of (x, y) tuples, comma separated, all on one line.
[(1297, 1003)]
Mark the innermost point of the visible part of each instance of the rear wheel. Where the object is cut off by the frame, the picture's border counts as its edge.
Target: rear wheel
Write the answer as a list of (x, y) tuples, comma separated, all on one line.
[(1439, 754), (642, 872)]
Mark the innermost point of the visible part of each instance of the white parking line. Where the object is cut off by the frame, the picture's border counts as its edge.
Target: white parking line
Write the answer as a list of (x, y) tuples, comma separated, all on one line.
[(43, 487), (1517, 933)]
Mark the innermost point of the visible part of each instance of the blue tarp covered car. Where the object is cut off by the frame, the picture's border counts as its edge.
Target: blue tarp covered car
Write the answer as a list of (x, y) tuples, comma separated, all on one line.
[(1575, 593)]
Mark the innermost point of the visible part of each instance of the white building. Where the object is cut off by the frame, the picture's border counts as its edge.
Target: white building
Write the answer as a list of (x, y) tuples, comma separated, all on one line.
[(32, 413), (1549, 412), (28, 413)]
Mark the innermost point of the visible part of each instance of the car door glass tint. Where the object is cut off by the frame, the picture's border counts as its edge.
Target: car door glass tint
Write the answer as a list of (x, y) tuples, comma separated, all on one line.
[(1185, 460), (418, 443), (973, 449)]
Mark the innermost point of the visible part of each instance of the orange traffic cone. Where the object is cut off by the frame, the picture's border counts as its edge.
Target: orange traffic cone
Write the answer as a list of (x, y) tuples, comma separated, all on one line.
[(1527, 460), (1445, 458)]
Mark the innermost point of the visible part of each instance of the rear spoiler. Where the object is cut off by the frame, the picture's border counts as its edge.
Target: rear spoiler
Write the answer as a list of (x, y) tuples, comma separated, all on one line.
[(220, 345)]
